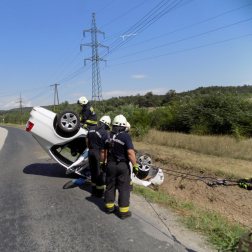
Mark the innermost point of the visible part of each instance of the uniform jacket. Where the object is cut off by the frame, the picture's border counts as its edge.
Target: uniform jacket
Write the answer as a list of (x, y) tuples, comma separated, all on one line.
[(88, 115)]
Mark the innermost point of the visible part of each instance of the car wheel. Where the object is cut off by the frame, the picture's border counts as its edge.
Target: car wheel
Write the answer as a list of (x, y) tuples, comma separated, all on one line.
[(68, 121), (144, 161)]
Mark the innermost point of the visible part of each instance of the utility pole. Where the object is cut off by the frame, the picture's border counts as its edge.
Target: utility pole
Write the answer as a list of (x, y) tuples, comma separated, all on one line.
[(20, 105), (55, 93), (96, 78)]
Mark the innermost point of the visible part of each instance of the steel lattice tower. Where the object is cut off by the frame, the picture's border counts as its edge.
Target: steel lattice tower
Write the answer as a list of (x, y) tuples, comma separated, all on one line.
[(96, 78)]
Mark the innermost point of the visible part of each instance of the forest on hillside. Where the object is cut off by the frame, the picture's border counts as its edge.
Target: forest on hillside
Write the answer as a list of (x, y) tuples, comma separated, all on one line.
[(204, 111), (152, 100)]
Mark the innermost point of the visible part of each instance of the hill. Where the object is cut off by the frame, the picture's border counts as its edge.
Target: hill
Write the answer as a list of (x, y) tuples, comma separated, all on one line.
[(17, 110), (152, 100)]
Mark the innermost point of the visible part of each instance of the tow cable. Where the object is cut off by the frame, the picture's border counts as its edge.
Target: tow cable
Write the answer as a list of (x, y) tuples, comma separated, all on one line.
[(245, 183)]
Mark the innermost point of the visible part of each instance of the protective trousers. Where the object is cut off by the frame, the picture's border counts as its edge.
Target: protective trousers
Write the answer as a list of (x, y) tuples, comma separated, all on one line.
[(117, 177), (96, 176)]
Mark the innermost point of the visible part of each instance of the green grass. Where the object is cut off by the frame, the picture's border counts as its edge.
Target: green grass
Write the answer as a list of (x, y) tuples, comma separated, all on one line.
[(219, 146), (221, 234), (156, 196), (20, 126)]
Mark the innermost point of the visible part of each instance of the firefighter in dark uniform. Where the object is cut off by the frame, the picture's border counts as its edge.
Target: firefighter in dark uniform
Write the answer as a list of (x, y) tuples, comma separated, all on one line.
[(93, 142), (119, 149), (127, 131), (88, 116)]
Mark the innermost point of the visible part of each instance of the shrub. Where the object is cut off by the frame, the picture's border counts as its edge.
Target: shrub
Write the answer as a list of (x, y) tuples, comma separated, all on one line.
[(214, 113), (139, 131)]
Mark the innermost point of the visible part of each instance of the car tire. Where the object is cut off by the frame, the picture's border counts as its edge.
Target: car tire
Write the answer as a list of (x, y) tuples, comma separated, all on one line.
[(68, 121), (143, 157)]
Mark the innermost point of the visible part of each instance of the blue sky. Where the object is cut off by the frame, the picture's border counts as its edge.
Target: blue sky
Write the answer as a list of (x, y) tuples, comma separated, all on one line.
[(196, 43)]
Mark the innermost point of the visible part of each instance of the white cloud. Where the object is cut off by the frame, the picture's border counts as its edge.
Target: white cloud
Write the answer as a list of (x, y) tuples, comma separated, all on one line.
[(28, 104), (138, 76), (133, 92), (10, 104), (81, 82)]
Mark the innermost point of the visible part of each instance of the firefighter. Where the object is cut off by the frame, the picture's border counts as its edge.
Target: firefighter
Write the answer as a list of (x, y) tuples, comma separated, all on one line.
[(93, 142), (88, 116), (119, 149), (127, 131), (127, 127)]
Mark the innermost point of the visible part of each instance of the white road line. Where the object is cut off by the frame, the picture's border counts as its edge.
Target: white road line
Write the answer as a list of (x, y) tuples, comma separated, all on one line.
[(3, 135)]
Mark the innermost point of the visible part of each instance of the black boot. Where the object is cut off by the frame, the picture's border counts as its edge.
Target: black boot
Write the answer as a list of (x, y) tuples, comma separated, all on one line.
[(125, 215), (94, 191), (110, 210)]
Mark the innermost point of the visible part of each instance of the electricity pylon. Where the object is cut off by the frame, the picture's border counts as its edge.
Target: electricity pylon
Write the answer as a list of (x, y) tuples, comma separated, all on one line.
[(96, 78), (20, 105), (55, 94)]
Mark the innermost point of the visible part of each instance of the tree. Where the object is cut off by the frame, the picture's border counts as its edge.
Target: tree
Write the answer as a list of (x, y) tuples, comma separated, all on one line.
[(171, 95)]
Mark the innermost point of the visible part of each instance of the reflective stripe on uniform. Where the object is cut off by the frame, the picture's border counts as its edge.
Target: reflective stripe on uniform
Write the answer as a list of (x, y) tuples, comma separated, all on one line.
[(123, 209), (93, 184), (109, 205), (92, 122), (100, 187), (131, 183)]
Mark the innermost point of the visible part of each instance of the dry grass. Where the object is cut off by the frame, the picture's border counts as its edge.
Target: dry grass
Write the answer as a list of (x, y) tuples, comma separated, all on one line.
[(151, 109), (21, 126), (219, 146), (168, 157)]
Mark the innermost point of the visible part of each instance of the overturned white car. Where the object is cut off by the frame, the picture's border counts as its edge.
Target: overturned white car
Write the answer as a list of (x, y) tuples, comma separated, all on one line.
[(64, 140)]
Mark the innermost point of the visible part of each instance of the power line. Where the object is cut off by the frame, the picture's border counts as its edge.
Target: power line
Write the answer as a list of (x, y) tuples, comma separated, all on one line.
[(189, 49), (24, 91), (184, 39), (124, 13), (189, 26), (62, 62), (141, 21), (79, 71), (141, 29), (106, 6)]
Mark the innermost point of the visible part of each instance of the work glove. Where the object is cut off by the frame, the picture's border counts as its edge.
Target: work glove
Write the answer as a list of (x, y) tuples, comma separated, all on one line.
[(135, 169), (245, 183), (103, 166)]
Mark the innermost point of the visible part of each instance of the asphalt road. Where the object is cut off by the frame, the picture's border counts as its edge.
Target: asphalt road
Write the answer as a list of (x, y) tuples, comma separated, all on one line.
[(39, 213)]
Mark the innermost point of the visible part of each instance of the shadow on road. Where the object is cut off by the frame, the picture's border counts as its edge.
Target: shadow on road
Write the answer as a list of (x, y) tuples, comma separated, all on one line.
[(100, 203), (50, 170)]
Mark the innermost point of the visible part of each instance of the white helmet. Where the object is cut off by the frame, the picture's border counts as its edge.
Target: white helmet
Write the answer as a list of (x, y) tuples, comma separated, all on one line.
[(119, 120), (106, 120), (127, 127), (82, 100)]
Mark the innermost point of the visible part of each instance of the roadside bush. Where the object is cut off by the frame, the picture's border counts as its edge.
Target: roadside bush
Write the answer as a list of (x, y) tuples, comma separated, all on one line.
[(6, 118), (141, 117), (125, 110), (139, 131), (214, 113)]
